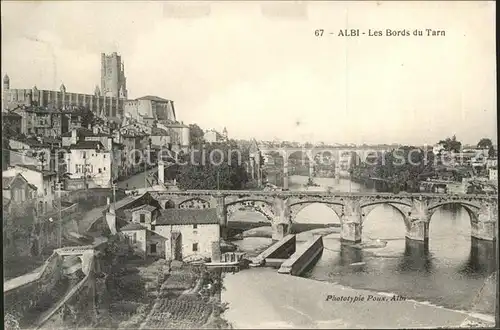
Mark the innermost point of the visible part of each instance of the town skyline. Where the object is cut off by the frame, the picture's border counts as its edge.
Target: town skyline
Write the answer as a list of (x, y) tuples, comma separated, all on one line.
[(310, 93)]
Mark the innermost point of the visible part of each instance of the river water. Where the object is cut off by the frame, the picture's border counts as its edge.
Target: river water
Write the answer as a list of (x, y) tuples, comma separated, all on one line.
[(451, 274)]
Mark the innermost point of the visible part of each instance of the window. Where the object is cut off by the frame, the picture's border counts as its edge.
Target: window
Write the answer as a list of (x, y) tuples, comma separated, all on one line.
[(142, 218), (153, 227), (100, 170), (133, 238), (195, 247), (153, 248), (195, 226), (45, 191)]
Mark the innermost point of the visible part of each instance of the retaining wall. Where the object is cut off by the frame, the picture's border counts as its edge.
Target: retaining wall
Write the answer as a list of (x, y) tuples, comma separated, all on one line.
[(302, 258)]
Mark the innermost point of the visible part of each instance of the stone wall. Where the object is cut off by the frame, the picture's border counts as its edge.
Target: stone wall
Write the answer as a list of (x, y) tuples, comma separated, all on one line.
[(78, 306), (23, 293)]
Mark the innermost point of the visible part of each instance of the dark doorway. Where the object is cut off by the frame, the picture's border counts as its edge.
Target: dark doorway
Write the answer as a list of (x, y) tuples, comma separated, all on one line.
[(177, 246)]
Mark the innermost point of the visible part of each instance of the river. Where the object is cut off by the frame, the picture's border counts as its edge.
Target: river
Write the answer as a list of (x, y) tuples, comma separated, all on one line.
[(454, 274)]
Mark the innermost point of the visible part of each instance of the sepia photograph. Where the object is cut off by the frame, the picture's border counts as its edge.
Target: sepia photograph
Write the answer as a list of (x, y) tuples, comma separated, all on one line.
[(249, 164)]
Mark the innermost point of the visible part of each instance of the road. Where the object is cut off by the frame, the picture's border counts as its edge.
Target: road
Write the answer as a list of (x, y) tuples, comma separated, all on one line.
[(284, 301), (137, 180)]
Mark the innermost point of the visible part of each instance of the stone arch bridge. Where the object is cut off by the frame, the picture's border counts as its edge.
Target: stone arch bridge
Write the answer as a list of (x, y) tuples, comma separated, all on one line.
[(341, 157), (281, 208)]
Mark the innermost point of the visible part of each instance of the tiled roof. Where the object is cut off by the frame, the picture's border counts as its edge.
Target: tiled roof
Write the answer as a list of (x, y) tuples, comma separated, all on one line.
[(11, 114), (146, 207), (33, 143), (49, 139), (87, 145), (132, 226), (7, 181), (81, 131), (187, 217), (84, 132), (34, 168), (158, 131), (152, 98)]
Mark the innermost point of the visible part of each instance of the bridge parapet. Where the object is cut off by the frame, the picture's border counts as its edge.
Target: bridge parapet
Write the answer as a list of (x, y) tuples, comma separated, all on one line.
[(281, 208)]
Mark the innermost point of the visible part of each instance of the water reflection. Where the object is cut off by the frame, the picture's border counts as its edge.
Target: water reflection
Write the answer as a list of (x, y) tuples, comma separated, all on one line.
[(350, 255), (482, 258), (416, 257)]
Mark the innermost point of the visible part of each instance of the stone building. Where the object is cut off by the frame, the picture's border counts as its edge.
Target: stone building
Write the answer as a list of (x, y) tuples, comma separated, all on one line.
[(17, 192), (148, 109), (174, 234), (44, 181)]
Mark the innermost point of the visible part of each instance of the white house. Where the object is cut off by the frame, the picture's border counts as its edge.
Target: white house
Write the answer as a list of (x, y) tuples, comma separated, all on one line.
[(44, 181), (91, 161), (212, 136), (180, 234), (493, 174)]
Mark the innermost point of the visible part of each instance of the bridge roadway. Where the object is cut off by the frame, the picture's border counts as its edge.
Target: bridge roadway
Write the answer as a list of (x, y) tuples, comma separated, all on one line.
[(281, 208)]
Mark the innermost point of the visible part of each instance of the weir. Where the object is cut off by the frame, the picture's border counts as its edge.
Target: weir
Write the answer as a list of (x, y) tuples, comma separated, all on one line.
[(281, 249), (302, 258)]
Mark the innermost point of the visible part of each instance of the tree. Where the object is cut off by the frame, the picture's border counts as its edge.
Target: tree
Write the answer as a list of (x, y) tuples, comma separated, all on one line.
[(196, 134), (491, 152), (451, 144), (485, 143), (87, 116), (214, 166)]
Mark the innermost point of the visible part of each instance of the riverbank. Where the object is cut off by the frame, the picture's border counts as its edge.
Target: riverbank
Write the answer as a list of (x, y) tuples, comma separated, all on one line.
[(283, 301)]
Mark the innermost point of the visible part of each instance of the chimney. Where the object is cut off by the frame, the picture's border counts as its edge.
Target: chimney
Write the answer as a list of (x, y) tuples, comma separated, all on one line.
[(110, 143), (95, 129), (74, 138)]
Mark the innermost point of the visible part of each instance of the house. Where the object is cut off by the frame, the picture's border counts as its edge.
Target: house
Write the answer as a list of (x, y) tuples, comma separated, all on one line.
[(88, 163), (174, 234), (17, 192), (212, 136), (493, 174), (44, 181)]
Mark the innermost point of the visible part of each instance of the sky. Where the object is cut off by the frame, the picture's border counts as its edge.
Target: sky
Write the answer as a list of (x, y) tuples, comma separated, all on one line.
[(258, 69)]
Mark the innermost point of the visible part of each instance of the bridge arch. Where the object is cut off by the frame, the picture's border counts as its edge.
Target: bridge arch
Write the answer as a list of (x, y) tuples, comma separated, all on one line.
[(296, 208), (194, 203), (400, 207), (471, 208), (257, 205)]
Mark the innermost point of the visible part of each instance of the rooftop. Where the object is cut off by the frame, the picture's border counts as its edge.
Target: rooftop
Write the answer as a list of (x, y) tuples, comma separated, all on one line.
[(94, 145), (158, 131), (132, 226), (152, 98), (85, 132), (32, 142), (187, 217), (34, 168), (8, 180), (145, 207), (11, 115)]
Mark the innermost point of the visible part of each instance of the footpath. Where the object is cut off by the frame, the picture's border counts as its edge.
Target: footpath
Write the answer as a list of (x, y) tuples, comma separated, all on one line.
[(284, 301)]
